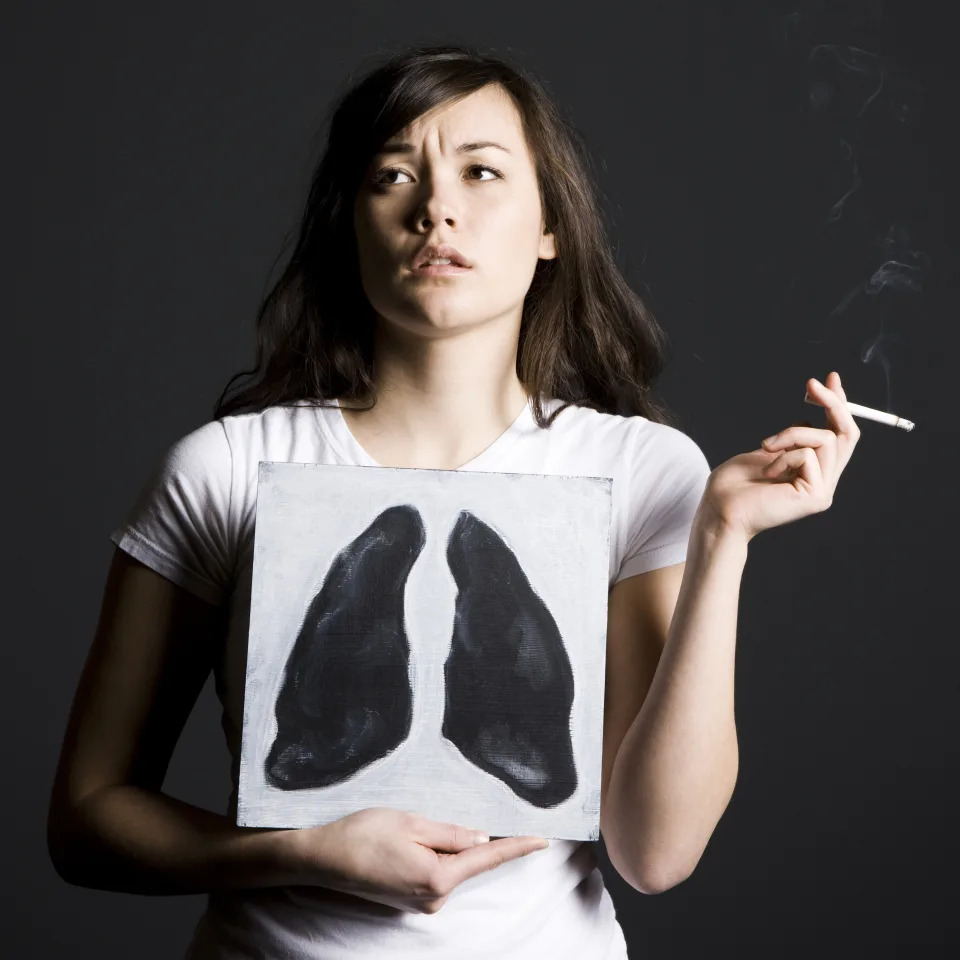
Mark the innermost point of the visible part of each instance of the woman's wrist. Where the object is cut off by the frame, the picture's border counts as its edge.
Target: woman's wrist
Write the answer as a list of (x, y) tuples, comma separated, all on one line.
[(272, 856), (711, 532)]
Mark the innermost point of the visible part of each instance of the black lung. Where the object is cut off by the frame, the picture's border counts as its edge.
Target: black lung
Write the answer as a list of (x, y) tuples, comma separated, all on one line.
[(509, 683), (346, 698)]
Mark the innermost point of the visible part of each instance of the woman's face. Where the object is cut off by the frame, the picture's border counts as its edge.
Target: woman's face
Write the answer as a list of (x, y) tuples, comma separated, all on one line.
[(483, 201)]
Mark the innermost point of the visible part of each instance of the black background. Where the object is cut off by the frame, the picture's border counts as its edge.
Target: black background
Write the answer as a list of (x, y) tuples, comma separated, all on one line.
[(158, 155)]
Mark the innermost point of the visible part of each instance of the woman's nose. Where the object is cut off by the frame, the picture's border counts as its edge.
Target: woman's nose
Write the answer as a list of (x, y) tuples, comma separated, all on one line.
[(425, 221), (435, 210), (436, 204)]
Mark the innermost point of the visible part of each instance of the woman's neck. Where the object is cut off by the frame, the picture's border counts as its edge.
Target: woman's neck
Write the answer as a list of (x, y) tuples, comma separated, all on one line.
[(413, 429)]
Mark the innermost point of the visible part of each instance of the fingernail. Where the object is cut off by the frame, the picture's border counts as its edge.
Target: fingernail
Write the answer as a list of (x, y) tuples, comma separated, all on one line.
[(542, 845), (480, 837), (770, 439)]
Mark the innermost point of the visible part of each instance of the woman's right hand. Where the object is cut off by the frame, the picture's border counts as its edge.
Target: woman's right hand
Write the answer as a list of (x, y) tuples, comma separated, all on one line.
[(397, 858)]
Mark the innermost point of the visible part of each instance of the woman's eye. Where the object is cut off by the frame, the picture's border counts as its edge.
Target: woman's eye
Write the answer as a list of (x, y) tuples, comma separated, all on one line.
[(482, 166), (380, 178)]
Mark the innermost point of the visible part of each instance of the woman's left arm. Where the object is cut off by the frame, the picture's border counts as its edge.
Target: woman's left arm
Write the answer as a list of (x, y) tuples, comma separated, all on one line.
[(671, 755)]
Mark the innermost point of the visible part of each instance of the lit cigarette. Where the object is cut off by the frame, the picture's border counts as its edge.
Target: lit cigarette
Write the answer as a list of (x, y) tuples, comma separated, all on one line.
[(869, 413)]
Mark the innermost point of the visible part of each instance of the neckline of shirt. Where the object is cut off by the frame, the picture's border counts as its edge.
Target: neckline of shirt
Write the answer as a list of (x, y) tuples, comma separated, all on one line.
[(338, 433)]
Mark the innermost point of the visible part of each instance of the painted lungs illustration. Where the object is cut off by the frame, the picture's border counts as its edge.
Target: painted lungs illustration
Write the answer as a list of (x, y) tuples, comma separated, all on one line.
[(346, 698), (509, 683)]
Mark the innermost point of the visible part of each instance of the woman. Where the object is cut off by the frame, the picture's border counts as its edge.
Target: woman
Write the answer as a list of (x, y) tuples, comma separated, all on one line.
[(534, 356)]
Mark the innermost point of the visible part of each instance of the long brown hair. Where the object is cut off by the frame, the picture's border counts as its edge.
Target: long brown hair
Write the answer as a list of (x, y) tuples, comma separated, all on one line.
[(586, 337)]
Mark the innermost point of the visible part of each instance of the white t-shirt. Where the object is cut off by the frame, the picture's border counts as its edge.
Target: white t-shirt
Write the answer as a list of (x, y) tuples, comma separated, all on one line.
[(194, 523)]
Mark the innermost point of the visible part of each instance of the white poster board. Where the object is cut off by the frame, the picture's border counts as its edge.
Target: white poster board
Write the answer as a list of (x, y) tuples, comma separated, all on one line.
[(427, 640)]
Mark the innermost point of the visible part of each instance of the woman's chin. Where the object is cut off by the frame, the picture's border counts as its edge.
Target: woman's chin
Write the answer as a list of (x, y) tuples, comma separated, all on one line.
[(433, 318)]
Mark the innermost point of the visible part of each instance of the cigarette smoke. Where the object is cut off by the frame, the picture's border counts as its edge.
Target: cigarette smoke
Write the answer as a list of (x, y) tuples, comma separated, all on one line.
[(860, 97)]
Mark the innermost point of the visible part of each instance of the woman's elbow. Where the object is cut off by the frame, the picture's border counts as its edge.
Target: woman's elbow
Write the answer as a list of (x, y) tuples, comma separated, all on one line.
[(63, 852), (70, 846), (636, 870), (648, 881)]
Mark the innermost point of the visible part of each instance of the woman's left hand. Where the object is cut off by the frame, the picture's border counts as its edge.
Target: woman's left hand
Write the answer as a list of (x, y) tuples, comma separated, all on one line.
[(793, 474)]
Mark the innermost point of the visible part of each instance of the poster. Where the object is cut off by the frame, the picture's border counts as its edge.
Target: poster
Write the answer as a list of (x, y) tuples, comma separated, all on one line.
[(428, 640)]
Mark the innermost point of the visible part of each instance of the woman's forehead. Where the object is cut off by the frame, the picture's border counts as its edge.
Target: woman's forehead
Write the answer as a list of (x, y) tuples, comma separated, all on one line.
[(484, 117)]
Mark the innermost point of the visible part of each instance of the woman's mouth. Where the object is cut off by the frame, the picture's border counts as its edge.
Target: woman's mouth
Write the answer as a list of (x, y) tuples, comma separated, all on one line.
[(440, 267)]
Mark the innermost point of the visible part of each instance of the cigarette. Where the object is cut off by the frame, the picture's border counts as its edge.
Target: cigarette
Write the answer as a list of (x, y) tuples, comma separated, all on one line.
[(858, 410)]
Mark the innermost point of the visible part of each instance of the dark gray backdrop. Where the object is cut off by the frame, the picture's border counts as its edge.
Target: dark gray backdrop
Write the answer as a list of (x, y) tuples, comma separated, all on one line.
[(759, 168)]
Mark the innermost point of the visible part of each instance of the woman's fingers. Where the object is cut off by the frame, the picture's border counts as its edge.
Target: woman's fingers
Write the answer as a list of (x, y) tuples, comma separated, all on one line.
[(821, 444), (799, 437), (833, 445), (485, 853), (805, 462), (486, 856), (834, 401), (833, 382), (445, 837)]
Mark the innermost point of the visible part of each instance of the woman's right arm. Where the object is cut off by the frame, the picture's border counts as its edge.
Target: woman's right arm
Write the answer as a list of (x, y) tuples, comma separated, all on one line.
[(110, 827)]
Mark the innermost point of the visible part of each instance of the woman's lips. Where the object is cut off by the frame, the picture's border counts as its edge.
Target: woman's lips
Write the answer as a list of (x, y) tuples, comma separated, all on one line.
[(441, 269)]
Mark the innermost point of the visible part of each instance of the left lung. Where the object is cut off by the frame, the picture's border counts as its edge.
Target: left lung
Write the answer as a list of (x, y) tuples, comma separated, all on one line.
[(509, 683)]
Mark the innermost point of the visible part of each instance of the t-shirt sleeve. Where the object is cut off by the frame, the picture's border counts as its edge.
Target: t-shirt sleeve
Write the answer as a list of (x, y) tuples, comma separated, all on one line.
[(669, 477), (179, 525)]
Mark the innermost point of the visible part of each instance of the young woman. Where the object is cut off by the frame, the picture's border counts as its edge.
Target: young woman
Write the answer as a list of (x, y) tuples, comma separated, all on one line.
[(534, 356)]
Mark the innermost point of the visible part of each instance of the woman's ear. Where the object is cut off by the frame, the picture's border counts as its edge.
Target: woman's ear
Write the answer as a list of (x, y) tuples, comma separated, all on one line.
[(548, 247)]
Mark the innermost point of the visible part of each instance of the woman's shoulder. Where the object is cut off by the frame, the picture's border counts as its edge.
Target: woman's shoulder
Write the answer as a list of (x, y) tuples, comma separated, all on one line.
[(275, 421), (635, 429), (653, 454)]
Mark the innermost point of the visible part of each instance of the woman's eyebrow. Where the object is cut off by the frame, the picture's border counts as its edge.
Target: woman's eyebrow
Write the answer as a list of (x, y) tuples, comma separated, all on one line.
[(403, 147)]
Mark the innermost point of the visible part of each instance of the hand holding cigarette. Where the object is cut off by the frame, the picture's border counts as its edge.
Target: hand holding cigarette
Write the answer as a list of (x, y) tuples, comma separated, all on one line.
[(792, 475)]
